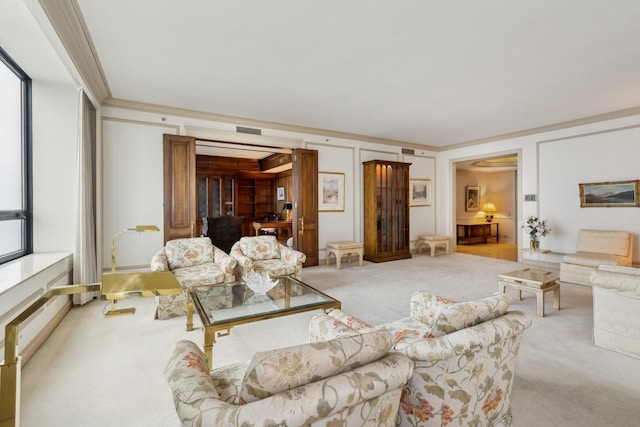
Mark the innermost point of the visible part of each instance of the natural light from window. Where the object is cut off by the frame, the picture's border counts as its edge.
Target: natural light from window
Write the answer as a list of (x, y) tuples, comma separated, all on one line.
[(13, 203)]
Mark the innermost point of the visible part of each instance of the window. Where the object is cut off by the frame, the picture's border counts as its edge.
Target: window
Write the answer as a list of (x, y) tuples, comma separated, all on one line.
[(15, 161)]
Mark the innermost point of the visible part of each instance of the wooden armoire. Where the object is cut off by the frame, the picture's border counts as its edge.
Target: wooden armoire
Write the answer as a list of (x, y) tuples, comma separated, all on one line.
[(386, 210)]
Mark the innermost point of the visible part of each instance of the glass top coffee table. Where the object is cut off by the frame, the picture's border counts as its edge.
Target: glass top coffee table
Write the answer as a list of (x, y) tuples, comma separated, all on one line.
[(225, 305)]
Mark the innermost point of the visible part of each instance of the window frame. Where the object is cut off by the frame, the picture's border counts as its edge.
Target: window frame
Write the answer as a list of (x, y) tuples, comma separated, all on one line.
[(26, 213)]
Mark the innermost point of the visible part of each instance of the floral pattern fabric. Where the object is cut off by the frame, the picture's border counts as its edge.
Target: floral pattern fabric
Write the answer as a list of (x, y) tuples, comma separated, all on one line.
[(203, 264), (444, 316), (264, 253), (461, 378), (367, 394), (275, 371)]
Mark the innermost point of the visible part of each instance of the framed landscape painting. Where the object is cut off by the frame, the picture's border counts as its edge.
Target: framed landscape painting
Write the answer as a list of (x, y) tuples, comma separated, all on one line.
[(420, 192), (609, 194)]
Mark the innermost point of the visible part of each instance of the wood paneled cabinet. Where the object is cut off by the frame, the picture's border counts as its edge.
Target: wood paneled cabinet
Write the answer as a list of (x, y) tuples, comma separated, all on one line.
[(386, 210)]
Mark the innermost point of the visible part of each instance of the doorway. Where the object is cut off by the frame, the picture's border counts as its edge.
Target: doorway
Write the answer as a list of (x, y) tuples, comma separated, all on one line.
[(487, 226)]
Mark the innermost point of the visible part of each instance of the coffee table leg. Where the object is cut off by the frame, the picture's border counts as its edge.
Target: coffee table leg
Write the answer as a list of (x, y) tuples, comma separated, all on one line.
[(540, 303), (189, 312), (209, 341), (556, 298)]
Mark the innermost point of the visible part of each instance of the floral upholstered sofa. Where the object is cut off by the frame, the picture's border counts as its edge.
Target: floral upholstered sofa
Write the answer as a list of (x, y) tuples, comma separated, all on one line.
[(464, 354), (194, 262), (265, 254), (347, 381)]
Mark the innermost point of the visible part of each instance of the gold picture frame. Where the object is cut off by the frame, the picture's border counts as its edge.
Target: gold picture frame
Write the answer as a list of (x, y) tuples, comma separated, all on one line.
[(609, 194)]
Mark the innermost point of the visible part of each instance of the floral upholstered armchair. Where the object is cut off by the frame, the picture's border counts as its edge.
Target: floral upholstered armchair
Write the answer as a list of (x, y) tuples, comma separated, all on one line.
[(264, 253), (343, 382), (194, 262), (464, 354)]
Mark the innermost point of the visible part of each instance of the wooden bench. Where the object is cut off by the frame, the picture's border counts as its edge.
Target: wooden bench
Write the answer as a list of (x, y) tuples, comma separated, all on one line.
[(432, 240), (344, 248)]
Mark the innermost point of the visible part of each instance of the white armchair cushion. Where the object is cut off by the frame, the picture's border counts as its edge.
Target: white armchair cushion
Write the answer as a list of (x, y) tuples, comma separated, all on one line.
[(199, 275), (188, 252), (272, 372), (260, 247)]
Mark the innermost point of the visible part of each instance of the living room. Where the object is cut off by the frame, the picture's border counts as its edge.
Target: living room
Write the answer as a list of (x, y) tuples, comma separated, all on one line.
[(552, 162)]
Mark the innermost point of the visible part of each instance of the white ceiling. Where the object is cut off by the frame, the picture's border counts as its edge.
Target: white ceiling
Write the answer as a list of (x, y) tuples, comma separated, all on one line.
[(425, 72)]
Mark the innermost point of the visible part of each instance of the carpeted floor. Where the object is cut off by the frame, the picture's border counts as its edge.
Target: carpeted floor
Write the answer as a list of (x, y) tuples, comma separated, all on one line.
[(109, 372)]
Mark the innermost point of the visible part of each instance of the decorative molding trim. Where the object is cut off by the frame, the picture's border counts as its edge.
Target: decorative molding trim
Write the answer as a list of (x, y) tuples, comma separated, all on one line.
[(549, 128), (68, 23), (202, 115), (242, 138)]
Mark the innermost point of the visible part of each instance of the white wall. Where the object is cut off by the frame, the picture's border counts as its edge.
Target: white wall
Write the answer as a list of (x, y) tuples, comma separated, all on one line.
[(132, 189), (54, 172)]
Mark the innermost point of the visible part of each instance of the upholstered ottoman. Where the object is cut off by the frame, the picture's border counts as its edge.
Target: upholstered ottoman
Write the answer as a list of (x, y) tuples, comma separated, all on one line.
[(344, 248), (432, 240)]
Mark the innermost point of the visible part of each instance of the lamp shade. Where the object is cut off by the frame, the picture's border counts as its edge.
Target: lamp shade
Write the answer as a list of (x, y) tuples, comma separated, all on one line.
[(489, 207), (287, 206)]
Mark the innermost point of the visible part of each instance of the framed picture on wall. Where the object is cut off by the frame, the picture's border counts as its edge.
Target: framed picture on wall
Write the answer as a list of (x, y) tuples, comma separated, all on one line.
[(280, 193), (419, 192), (609, 194), (472, 198), (331, 192)]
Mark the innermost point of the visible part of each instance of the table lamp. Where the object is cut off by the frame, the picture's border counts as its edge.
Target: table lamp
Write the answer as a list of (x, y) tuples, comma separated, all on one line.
[(137, 228), (489, 208), (288, 209)]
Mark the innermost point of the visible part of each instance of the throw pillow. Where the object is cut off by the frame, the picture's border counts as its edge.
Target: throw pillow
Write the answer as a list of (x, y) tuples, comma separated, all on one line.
[(189, 252), (260, 247), (275, 371)]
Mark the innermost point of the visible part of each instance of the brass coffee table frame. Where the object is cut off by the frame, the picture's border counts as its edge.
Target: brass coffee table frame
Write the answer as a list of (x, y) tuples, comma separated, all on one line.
[(222, 328)]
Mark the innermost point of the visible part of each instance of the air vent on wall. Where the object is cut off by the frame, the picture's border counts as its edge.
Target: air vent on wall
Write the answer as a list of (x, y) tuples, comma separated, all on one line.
[(408, 151), (252, 131), (529, 197)]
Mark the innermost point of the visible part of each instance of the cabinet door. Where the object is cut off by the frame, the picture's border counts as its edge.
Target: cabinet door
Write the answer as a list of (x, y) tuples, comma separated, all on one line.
[(179, 157)]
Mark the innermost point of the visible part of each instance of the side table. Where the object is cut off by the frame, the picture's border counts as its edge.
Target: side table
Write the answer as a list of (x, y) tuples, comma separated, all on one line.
[(537, 281)]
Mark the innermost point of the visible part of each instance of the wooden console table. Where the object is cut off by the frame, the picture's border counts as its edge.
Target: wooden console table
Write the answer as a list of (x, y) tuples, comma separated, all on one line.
[(476, 233), (285, 225)]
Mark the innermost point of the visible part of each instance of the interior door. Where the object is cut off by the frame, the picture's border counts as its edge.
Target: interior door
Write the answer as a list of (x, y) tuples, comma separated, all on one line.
[(179, 186), (304, 224)]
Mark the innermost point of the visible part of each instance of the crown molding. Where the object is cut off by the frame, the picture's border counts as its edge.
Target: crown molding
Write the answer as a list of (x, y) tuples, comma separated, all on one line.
[(196, 114), (67, 21), (549, 128)]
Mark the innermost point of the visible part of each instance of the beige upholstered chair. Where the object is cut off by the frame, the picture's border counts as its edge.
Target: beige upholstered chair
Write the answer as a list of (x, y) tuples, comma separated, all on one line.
[(593, 249), (194, 262), (342, 382), (464, 354), (264, 253), (616, 304)]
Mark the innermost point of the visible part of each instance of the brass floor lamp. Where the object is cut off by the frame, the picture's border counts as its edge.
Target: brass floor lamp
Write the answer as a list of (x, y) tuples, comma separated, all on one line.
[(140, 229), (113, 287)]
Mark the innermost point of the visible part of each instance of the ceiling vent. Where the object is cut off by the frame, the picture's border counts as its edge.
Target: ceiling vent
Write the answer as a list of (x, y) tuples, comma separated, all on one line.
[(252, 131)]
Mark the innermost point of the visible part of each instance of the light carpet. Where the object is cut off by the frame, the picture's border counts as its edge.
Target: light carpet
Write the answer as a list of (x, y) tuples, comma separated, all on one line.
[(109, 372)]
